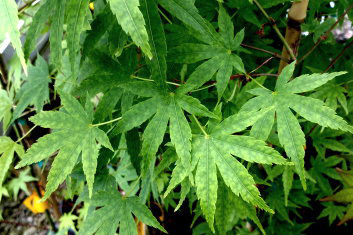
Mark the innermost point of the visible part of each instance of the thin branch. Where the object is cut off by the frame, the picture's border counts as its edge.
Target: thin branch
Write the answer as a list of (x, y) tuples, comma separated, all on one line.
[(274, 26), (338, 56), (266, 51), (323, 37)]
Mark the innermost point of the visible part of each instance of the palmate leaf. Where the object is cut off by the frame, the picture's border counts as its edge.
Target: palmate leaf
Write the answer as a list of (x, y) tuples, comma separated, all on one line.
[(35, 90), (131, 20), (9, 23), (116, 211), (163, 108), (285, 98), (221, 59), (7, 150), (214, 151), (73, 134)]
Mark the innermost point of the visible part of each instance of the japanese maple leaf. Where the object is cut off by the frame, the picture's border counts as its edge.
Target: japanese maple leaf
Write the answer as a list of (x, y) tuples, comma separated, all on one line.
[(116, 211), (284, 98), (73, 134), (35, 90), (215, 150), (218, 54)]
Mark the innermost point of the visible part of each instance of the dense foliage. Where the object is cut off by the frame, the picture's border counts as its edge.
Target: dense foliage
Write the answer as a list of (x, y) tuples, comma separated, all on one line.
[(179, 103)]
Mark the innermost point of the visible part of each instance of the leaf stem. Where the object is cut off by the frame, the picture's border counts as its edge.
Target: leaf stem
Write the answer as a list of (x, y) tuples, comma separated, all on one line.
[(151, 80), (27, 133), (107, 122), (203, 88), (200, 126), (248, 76), (164, 16), (278, 32), (265, 51)]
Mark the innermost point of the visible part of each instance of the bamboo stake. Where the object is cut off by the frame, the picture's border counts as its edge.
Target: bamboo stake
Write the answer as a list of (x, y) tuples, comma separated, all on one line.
[(296, 17)]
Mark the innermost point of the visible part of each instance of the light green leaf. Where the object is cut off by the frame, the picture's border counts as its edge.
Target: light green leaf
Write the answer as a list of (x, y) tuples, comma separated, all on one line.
[(202, 74), (5, 108), (38, 23), (158, 42), (292, 139), (9, 24), (7, 150), (56, 32), (314, 110), (131, 20), (153, 135), (206, 178), (239, 122), (35, 90), (285, 76), (180, 132), (263, 126), (226, 27), (136, 115), (187, 13), (73, 134), (287, 178), (309, 82), (76, 12), (191, 53), (193, 106), (114, 210), (223, 75)]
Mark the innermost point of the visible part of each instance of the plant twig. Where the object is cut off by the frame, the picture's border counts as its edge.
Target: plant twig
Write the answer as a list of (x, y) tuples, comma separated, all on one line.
[(323, 37), (276, 29), (338, 56), (265, 51)]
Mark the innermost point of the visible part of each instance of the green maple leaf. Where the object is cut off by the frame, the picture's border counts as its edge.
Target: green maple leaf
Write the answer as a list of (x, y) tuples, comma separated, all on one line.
[(5, 108), (327, 139), (163, 107), (332, 94), (66, 223), (7, 150), (285, 98), (21, 182), (73, 133), (131, 20), (116, 211), (216, 150), (161, 104), (35, 90), (219, 55), (9, 24), (321, 170), (332, 212)]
